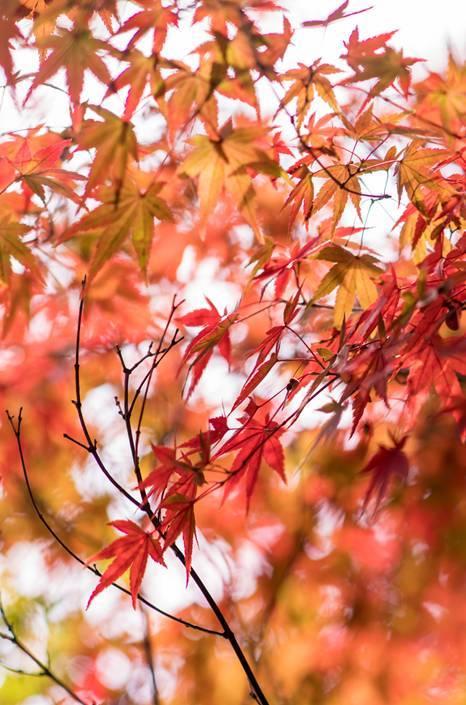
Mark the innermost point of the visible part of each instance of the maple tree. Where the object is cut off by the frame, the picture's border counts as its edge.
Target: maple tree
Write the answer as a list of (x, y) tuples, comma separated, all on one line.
[(233, 455)]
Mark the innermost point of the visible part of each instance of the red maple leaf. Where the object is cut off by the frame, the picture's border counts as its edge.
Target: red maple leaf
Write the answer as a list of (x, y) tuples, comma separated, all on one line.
[(386, 464), (35, 166), (338, 14), (158, 479), (255, 441), (176, 481), (153, 18), (179, 519), (373, 59), (282, 266), (173, 474), (129, 551), (215, 332), (204, 440)]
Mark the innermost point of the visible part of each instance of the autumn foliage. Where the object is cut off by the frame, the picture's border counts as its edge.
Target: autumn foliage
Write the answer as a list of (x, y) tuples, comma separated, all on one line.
[(232, 292)]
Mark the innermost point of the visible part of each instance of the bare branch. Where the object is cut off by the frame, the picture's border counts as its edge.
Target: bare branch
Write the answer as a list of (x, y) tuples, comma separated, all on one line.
[(44, 669), (145, 505), (149, 653), (17, 431)]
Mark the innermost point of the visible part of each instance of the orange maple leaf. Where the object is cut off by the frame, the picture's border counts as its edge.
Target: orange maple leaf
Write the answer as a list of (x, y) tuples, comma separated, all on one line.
[(75, 50)]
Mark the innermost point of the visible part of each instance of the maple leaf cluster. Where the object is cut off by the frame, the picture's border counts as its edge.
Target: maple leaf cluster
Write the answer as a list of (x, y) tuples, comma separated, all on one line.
[(340, 339)]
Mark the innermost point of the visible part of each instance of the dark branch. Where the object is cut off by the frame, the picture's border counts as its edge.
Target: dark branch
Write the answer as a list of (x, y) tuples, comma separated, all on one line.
[(17, 431), (145, 505), (327, 170), (149, 653)]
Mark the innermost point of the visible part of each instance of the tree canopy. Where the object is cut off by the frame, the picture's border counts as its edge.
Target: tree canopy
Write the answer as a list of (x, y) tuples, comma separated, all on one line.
[(233, 359)]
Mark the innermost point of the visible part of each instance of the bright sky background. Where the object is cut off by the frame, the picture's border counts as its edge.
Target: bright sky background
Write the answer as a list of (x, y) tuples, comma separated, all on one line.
[(425, 29), (425, 26)]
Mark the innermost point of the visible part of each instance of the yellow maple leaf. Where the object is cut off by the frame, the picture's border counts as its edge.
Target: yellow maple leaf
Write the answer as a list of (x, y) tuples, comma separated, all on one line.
[(223, 163), (114, 141), (133, 215), (415, 170), (75, 50), (353, 275)]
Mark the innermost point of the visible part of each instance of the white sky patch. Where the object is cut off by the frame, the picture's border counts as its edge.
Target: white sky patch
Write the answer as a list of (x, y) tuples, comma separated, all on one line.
[(40, 328), (113, 668), (109, 612), (250, 564), (186, 268), (217, 387), (139, 686), (204, 284), (99, 407), (328, 519), (28, 571)]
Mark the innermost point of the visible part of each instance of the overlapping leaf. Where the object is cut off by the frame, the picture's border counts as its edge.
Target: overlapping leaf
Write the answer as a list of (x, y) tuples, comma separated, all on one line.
[(223, 163), (258, 439), (115, 144)]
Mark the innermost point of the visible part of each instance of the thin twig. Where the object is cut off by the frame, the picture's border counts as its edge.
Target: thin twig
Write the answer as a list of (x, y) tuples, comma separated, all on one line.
[(411, 112), (44, 669), (17, 432), (149, 652), (145, 506), (310, 150), (91, 443)]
